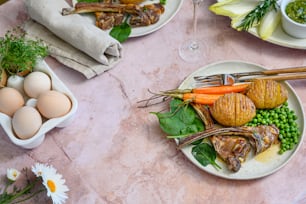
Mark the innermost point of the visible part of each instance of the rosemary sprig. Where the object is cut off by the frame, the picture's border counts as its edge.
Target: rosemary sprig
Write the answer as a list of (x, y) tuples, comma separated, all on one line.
[(254, 16)]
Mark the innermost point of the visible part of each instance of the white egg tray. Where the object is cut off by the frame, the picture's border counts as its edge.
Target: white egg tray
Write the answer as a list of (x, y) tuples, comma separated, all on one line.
[(60, 122)]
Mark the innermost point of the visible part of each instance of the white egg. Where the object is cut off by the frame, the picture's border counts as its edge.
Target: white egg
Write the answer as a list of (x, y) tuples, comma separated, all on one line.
[(10, 100), (36, 83), (26, 122), (53, 104), (16, 82)]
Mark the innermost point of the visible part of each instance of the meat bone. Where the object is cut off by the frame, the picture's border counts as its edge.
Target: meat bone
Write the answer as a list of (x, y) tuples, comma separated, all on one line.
[(83, 7)]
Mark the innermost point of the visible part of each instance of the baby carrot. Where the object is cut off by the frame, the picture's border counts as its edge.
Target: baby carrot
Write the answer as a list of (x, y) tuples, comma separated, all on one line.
[(220, 89), (206, 99)]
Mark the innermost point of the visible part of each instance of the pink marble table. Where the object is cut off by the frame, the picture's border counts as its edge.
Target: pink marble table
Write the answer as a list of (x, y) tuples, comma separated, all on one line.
[(114, 152)]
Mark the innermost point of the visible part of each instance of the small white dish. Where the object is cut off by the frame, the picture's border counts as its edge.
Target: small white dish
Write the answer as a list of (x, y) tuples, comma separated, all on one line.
[(38, 138), (291, 27)]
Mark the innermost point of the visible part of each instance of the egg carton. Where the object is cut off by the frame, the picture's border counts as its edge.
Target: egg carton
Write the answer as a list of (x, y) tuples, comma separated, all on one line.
[(49, 124)]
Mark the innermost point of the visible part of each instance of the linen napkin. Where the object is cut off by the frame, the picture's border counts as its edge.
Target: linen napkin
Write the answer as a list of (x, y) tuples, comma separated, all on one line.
[(72, 39)]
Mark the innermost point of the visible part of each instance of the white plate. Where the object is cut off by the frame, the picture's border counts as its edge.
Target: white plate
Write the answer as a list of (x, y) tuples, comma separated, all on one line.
[(265, 163), (280, 37), (171, 8)]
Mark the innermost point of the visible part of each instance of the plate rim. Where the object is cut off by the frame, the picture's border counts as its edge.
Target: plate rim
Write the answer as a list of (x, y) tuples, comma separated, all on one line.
[(292, 152)]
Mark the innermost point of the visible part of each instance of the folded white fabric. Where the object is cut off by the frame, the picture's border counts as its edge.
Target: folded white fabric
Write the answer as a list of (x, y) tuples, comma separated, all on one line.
[(75, 30)]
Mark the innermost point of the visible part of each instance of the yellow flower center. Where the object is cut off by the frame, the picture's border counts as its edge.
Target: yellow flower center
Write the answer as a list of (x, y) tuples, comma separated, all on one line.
[(15, 174), (51, 186)]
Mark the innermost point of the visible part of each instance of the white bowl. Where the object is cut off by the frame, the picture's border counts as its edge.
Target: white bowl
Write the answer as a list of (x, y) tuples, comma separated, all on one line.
[(38, 138), (296, 30)]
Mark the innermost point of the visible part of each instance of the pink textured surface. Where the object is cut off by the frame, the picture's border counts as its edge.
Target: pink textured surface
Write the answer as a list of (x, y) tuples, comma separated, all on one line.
[(114, 152)]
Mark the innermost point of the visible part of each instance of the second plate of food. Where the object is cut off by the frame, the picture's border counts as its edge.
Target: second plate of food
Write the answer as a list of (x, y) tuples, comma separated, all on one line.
[(171, 9), (266, 162)]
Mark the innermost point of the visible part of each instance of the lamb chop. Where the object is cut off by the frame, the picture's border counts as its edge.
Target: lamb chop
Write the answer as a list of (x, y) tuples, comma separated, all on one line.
[(139, 15), (233, 144), (83, 7), (231, 149), (150, 14), (107, 20)]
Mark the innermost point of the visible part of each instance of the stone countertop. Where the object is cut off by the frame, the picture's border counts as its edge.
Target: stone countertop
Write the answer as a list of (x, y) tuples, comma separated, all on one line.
[(114, 152)]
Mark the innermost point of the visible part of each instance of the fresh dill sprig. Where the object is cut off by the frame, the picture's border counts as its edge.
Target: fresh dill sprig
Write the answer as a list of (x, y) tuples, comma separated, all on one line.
[(18, 54), (254, 17)]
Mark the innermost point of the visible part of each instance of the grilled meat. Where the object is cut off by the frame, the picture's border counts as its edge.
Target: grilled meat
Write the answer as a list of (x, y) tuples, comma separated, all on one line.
[(149, 15), (84, 7), (139, 15), (231, 149), (263, 137), (204, 114), (106, 20), (233, 144)]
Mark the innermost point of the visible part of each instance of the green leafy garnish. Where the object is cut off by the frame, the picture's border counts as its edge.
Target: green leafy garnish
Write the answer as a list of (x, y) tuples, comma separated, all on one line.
[(18, 54), (205, 154), (163, 2), (182, 120), (254, 17), (121, 32)]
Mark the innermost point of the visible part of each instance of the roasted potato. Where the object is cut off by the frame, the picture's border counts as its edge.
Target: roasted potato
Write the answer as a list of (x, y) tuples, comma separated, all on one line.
[(234, 109), (267, 94)]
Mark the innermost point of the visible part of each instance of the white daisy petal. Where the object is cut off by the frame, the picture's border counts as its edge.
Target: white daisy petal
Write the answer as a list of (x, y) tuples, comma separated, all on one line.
[(55, 185), (12, 174), (38, 169)]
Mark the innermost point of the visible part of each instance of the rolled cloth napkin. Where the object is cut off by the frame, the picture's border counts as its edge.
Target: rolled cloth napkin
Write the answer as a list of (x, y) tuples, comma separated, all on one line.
[(76, 34)]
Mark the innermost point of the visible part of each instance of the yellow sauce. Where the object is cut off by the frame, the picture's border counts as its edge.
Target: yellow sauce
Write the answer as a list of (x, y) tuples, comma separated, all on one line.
[(269, 154)]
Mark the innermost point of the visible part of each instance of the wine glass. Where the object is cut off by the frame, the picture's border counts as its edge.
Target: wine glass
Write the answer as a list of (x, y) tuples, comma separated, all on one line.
[(192, 50)]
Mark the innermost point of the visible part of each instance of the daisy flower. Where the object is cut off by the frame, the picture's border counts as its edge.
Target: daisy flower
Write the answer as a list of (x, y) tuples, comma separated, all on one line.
[(38, 169), (54, 183), (12, 174)]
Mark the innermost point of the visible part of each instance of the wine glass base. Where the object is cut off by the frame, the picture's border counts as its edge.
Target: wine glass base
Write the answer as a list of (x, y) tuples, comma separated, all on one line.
[(191, 51)]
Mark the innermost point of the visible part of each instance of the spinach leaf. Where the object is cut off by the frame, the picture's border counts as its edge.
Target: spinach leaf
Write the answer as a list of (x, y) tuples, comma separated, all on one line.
[(163, 2), (181, 120), (121, 32), (205, 154)]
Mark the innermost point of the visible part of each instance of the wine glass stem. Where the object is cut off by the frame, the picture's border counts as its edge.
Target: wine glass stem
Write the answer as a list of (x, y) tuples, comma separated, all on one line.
[(194, 44)]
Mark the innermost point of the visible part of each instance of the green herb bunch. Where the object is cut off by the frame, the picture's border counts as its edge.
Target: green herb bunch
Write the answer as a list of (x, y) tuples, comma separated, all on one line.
[(18, 54), (254, 17)]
